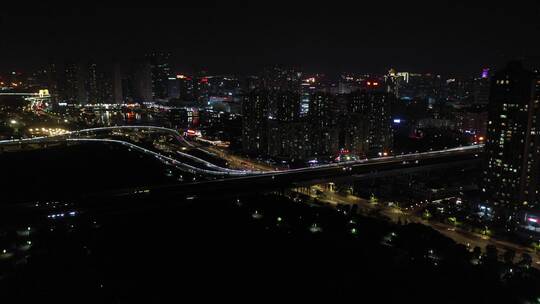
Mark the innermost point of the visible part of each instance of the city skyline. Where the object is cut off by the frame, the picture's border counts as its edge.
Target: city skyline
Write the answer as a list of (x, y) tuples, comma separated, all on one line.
[(386, 151)]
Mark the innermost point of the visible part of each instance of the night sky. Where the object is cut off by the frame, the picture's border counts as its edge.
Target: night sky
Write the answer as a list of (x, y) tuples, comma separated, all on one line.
[(448, 37)]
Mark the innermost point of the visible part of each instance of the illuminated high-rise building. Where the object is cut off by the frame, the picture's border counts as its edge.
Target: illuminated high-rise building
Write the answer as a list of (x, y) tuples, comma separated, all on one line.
[(160, 71), (201, 89), (374, 105), (173, 87), (255, 122), (185, 87), (52, 80), (118, 96), (513, 138), (92, 81), (98, 83), (141, 81), (353, 134), (71, 83), (481, 88), (323, 121), (307, 89), (285, 106)]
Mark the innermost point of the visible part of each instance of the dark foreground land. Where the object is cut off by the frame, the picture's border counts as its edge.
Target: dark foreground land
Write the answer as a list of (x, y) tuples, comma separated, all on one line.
[(250, 248)]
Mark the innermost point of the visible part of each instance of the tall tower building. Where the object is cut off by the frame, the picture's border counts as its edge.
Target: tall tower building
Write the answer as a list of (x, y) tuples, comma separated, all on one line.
[(142, 81), (52, 80), (160, 71), (353, 133), (173, 87), (201, 89), (92, 83), (481, 90), (117, 93), (307, 89), (70, 83), (512, 146), (255, 122), (186, 88), (375, 107), (98, 83), (324, 131)]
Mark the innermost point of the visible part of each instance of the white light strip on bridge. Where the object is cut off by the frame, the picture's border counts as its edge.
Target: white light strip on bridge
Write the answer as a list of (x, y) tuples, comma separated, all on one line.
[(161, 157), (206, 163), (176, 133), (227, 171), (19, 94)]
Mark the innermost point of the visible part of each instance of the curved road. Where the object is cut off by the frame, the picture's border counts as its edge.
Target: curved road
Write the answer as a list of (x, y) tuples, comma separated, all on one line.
[(214, 170)]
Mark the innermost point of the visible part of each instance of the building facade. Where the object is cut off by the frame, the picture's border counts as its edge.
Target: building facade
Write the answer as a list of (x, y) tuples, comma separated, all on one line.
[(512, 146), (374, 105)]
